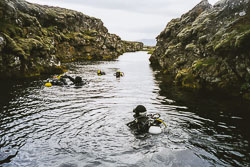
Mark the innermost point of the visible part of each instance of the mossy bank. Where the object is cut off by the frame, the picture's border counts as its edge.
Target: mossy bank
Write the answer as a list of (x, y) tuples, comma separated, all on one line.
[(35, 39), (208, 47)]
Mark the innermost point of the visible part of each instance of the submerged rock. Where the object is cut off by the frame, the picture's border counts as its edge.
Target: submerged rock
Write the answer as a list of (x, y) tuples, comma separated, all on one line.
[(208, 47), (34, 39)]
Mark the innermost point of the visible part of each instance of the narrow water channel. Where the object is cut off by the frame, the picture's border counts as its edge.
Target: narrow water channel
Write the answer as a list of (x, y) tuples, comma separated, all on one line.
[(67, 126)]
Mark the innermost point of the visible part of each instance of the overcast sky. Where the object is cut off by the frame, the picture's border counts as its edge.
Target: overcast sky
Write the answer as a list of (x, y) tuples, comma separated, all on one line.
[(130, 19)]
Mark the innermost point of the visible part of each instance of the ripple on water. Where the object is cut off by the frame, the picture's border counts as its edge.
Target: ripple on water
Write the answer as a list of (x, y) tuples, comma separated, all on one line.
[(86, 126)]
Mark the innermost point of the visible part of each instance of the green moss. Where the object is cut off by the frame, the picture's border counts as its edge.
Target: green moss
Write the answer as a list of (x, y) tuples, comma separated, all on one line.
[(13, 47), (165, 71), (185, 33), (28, 20), (107, 57), (243, 39), (89, 57), (190, 47), (90, 32), (177, 46), (88, 37), (209, 61), (239, 37), (200, 64), (151, 50), (52, 13), (69, 36), (28, 44), (10, 29), (52, 28), (189, 81), (197, 65), (203, 39), (225, 44), (44, 31), (181, 73)]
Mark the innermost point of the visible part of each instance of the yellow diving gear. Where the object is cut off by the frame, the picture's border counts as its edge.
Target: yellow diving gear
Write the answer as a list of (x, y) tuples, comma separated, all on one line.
[(161, 122), (48, 84), (58, 77), (99, 72)]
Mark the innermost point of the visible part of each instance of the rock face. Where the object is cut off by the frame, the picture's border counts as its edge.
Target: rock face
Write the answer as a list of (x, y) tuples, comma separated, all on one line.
[(208, 47), (34, 39)]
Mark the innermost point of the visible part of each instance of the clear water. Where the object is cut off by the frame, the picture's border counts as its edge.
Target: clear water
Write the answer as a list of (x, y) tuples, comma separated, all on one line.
[(86, 126)]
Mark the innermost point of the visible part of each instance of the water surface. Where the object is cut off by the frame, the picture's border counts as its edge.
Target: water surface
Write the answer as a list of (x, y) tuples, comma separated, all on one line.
[(86, 126)]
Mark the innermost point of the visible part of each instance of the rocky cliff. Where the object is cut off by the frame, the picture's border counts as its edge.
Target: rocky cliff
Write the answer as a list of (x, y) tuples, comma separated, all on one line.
[(208, 47), (34, 39)]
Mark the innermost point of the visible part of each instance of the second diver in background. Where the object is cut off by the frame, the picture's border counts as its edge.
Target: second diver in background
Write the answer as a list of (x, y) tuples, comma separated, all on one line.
[(61, 80), (118, 74), (99, 72)]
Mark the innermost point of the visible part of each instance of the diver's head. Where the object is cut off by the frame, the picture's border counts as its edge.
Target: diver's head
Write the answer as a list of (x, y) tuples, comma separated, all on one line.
[(140, 110), (78, 79)]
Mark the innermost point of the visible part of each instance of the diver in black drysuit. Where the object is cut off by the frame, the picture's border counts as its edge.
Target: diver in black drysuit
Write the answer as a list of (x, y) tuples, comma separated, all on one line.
[(77, 81), (61, 80), (118, 74), (141, 123)]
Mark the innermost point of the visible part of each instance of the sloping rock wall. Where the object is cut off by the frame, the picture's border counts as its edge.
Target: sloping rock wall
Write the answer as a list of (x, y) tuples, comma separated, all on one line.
[(34, 39), (208, 47)]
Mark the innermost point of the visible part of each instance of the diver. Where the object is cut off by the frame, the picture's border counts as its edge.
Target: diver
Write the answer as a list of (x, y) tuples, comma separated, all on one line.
[(56, 80), (77, 81), (144, 123), (99, 72), (118, 74), (141, 123)]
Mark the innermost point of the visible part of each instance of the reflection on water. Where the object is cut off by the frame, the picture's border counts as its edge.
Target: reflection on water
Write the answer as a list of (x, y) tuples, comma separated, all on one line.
[(86, 126)]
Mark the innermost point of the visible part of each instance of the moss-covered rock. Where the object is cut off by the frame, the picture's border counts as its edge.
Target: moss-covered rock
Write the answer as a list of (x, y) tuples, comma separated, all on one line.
[(34, 39), (208, 47)]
